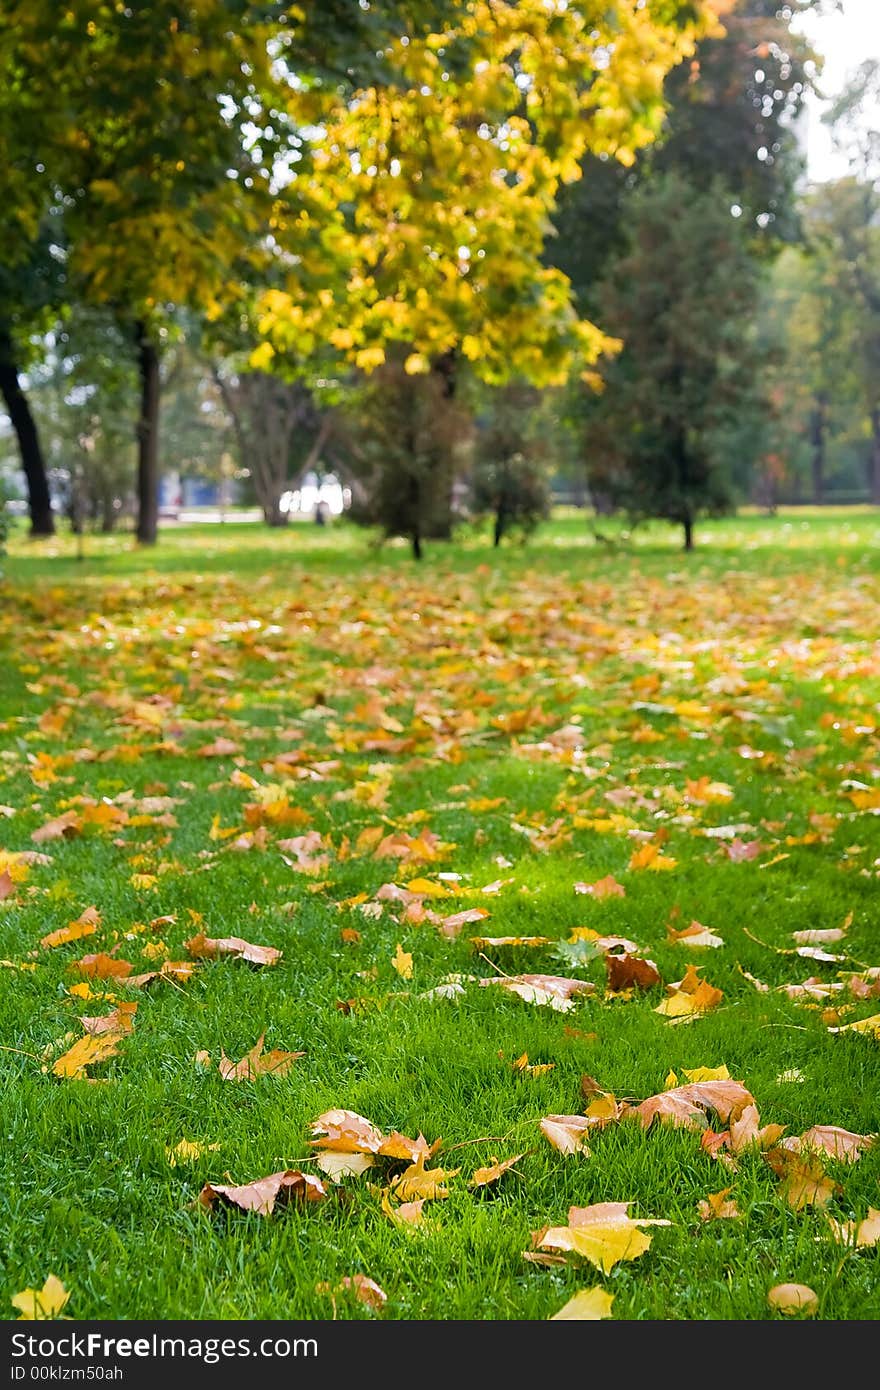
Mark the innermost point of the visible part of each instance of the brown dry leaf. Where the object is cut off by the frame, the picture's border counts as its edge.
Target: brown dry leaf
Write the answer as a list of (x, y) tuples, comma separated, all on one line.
[(452, 925), (85, 1052), (695, 935), (825, 936), (627, 972), (201, 946), (177, 971), (587, 1305), (604, 1234), (257, 1063), (62, 827), (7, 885), (719, 1206), (403, 962), (417, 1181), (603, 943), (102, 967), (606, 887), (86, 924), (121, 1020), (830, 1139), (397, 1145), (365, 1290), (262, 1195), (858, 1233), (805, 1182), (220, 748), (687, 1105), (746, 1133), (567, 1133), (494, 1170), (556, 991), (793, 1298), (41, 1305), (346, 1132)]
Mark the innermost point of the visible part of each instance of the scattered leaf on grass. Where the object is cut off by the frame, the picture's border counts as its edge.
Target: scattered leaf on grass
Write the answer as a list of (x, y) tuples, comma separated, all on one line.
[(689, 996), (121, 1020), (696, 935), (858, 1233), (719, 1206), (188, 1151), (86, 924), (793, 1298), (403, 962), (365, 1290), (606, 887), (86, 1051), (262, 1195), (832, 1140), (201, 946), (604, 1234), (343, 1165), (257, 1063), (567, 1133), (493, 1171), (627, 972), (418, 1181), (41, 1305), (687, 1106), (587, 1305), (344, 1131), (870, 1027), (405, 1213), (102, 967)]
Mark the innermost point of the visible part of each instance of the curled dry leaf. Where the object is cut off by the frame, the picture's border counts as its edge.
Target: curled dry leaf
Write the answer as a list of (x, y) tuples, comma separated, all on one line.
[(746, 1133), (870, 1027), (262, 1195), (257, 1063), (687, 1106), (62, 827), (201, 946), (556, 991), (451, 926), (346, 1132), (832, 1140), (483, 1177), (793, 1298), (587, 1305), (41, 1305), (567, 1133)]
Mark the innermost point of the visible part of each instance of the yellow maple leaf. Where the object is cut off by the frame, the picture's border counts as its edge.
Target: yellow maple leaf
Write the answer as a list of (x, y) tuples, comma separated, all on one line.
[(403, 962), (41, 1305), (587, 1305), (188, 1151)]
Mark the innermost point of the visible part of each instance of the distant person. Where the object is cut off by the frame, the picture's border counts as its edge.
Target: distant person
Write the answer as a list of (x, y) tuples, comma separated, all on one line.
[(322, 513)]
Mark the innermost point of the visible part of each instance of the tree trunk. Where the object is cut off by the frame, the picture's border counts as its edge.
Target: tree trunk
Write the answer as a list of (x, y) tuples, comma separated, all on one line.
[(500, 522), (148, 439), (416, 543), (875, 456), (818, 428), (274, 516), (688, 524), (24, 425), (108, 513)]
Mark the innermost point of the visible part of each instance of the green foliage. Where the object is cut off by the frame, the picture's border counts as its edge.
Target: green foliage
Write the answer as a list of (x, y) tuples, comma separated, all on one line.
[(681, 296), (511, 460)]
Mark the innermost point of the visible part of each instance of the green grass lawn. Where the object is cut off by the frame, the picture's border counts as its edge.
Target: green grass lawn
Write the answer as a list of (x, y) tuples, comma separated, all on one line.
[(540, 716)]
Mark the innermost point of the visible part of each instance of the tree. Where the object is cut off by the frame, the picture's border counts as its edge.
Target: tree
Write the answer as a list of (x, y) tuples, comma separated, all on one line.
[(511, 459), (280, 433), (681, 296)]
